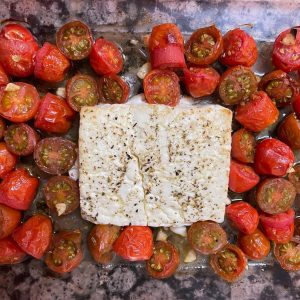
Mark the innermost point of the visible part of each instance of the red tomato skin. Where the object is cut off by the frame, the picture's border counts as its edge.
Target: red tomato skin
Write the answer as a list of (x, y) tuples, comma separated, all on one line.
[(18, 189), (200, 82), (10, 252), (8, 160), (4, 79), (242, 177), (296, 105), (54, 115), (289, 131), (273, 157), (50, 64), (258, 113), (9, 220), (243, 216)]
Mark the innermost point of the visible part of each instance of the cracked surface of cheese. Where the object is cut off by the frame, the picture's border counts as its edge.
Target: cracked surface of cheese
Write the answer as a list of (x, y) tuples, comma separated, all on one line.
[(153, 164)]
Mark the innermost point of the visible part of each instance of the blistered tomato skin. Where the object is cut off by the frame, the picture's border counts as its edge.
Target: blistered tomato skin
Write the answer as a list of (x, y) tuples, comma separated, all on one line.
[(289, 131)]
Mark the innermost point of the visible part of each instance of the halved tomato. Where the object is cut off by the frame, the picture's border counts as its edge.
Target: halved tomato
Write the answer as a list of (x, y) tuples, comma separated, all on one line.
[(9, 220), (294, 178), (288, 255), (8, 160), (10, 252), (2, 128), (289, 131)]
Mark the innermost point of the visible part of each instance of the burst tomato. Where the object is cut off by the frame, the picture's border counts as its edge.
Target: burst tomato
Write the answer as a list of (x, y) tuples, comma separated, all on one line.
[(8, 160), (289, 131), (9, 220), (10, 252)]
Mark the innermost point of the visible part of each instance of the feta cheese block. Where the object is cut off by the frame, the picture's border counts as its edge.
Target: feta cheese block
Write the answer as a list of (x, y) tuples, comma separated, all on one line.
[(154, 165)]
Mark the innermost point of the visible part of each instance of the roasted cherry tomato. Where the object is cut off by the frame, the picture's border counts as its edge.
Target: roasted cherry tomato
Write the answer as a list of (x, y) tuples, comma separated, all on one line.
[(279, 86), (204, 46), (242, 216), (229, 263), (21, 139), (237, 84), (278, 228), (34, 236), (273, 157), (242, 177), (162, 87), (65, 253), (55, 155), (9, 220), (134, 243), (10, 252), (17, 50), (18, 189), (19, 102), (199, 81), (113, 89), (288, 255), (294, 178), (296, 105), (4, 80), (62, 194), (100, 242), (207, 237), (54, 115), (74, 40), (289, 131), (50, 64), (2, 128), (8, 160), (286, 50), (166, 47), (239, 49), (164, 261), (275, 195), (255, 245), (82, 90), (106, 58)]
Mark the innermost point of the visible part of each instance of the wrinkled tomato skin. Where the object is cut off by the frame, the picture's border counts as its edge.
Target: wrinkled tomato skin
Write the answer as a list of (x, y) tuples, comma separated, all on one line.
[(258, 113), (4, 79), (10, 252), (296, 105), (18, 189), (289, 260), (9, 220), (255, 245), (135, 243), (50, 64), (8, 160), (34, 236), (242, 177), (239, 49), (200, 82), (54, 115), (289, 131), (100, 242), (273, 157), (242, 216)]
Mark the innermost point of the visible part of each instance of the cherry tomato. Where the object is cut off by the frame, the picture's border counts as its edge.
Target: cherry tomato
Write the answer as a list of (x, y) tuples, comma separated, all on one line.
[(237, 84), (279, 86), (55, 155), (9, 220), (18, 189), (19, 102), (258, 113), (8, 160), (164, 261), (113, 89), (278, 228), (294, 178), (134, 243), (82, 90), (74, 40), (4, 79), (239, 49), (229, 263), (106, 58), (2, 128), (65, 253), (50, 64), (286, 50), (10, 252), (296, 105), (207, 237), (255, 245), (242, 216), (18, 49), (100, 242), (289, 131), (162, 87), (34, 236), (200, 82), (275, 195), (21, 139), (288, 255), (54, 115), (204, 46), (273, 157), (242, 177), (62, 194)]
